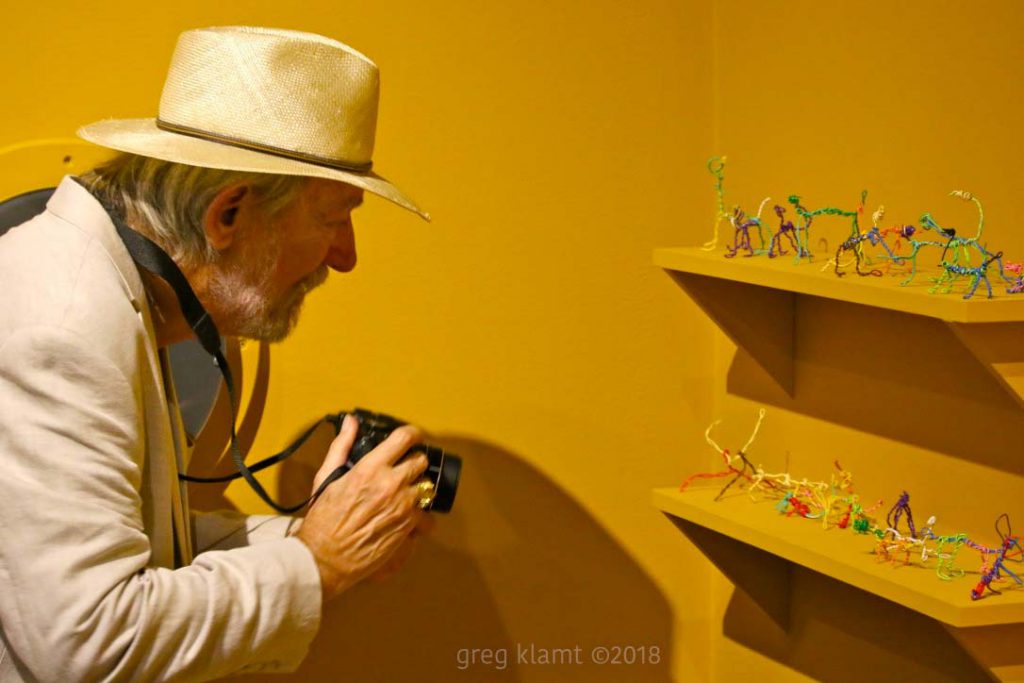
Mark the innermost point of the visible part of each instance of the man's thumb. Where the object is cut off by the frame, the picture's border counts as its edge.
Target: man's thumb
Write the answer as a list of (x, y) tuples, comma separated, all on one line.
[(337, 454)]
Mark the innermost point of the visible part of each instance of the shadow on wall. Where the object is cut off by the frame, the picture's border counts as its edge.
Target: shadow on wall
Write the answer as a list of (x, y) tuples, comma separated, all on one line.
[(868, 638), (900, 376), (518, 572)]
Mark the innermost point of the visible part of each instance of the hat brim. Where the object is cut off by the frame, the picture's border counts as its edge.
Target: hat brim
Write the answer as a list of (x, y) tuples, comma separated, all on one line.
[(141, 136)]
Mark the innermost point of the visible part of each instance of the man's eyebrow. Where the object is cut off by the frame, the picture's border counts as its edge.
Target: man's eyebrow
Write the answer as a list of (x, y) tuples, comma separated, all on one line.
[(346, 206)]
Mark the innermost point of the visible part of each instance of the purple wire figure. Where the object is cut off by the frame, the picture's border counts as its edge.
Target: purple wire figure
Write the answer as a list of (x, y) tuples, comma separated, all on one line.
[(893, 518), (741, 238), (786, 230)]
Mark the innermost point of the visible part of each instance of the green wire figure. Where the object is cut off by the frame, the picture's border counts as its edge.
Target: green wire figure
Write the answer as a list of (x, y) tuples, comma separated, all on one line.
[(946, 568), (804, 229), (716, 167)]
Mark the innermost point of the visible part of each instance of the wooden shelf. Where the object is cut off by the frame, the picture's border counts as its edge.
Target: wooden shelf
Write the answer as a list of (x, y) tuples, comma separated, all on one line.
[(845, 556), (882, 292), (755, 302)]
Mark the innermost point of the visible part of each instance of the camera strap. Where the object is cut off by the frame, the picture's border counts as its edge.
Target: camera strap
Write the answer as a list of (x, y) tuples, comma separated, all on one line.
[(148, 256)]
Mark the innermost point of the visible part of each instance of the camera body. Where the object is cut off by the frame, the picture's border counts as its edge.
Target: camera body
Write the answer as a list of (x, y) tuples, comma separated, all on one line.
[(443, 469)]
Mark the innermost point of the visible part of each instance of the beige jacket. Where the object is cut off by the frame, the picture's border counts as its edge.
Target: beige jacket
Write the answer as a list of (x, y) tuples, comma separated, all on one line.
[(97, 575)]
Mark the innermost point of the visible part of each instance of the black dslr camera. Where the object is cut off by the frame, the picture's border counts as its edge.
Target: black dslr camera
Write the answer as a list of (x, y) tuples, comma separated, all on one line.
[(443, 469)]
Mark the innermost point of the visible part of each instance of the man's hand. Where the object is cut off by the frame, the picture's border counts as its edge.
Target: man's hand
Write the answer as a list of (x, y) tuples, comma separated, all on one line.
[(404, 551), (359, 523)]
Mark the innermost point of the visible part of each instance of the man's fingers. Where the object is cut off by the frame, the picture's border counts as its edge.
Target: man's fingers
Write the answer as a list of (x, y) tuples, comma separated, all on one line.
[(337, 454), (412, 468), (394, 447)]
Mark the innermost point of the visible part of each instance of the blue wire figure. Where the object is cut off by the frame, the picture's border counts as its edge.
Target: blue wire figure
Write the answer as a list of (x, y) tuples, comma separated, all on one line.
[(979, 273)]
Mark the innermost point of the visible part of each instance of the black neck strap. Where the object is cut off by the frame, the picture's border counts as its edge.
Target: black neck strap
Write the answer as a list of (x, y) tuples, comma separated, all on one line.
[(148, 256)]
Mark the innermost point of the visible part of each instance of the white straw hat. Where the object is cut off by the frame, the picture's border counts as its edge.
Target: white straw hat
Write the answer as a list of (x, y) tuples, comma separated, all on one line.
[(266, 101)]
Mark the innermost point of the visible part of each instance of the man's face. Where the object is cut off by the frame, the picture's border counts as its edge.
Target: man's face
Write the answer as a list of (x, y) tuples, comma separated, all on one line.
[(261, 285)]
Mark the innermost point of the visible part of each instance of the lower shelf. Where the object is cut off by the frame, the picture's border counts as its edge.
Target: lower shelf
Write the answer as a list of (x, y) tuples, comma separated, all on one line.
[(761, 552)]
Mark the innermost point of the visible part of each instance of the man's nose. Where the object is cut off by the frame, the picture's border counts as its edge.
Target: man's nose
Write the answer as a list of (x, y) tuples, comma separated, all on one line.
[(342, 254)]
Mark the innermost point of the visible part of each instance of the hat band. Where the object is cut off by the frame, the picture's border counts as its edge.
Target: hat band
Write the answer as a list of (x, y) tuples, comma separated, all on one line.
[(260, 147)]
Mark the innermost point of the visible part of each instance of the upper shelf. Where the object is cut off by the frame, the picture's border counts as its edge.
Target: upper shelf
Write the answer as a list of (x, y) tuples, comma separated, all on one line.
[(882, 292), (845, 556)]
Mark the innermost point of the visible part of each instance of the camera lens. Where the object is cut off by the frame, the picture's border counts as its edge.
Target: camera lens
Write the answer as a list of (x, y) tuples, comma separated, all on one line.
[(443, 469)]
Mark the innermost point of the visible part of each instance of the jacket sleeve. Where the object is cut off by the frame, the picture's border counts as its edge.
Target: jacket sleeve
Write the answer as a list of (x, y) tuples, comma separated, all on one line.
[(78, 600), (226, 529)]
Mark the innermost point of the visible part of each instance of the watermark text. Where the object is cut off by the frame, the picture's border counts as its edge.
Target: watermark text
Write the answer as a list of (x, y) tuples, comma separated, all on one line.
[(533, 654)]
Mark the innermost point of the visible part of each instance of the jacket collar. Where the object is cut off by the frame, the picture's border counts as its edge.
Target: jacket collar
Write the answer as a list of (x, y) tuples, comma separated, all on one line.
[(72, 203)]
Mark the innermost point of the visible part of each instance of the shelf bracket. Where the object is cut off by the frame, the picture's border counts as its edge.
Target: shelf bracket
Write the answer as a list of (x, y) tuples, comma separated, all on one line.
[(764, 577), (760, 320), (996, 648), (1000, 348)]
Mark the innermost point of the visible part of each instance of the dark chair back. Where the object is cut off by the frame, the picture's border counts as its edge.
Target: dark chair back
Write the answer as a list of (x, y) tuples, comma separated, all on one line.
[(17, 210)]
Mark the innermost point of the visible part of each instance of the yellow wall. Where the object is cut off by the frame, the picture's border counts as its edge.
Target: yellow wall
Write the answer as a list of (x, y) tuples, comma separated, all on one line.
[(556, 144)]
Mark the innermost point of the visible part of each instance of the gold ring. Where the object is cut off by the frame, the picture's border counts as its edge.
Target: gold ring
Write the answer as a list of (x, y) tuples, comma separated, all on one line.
[(426, 493)]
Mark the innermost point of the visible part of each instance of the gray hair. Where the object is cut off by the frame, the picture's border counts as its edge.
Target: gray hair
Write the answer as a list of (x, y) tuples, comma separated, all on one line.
[(166, 201)]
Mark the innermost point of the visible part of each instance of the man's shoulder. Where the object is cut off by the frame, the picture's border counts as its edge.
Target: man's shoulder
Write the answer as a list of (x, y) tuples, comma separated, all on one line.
[(54, 273)]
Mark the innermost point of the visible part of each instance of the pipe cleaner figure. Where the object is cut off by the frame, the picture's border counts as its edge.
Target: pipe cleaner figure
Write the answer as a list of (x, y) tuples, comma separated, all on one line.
[(907, 232), (783, 505), (742, 225), (952, 272), (844, 521), (902, 506), (736, 465), (1010, 549), (873, 236), (786, 230), (1017, 270), (960, 247), (804, 229), (889, 550), (899, 234), (830, 499), (716, 167), (861, 521), (946, 550), (790, 505), (963, 244)]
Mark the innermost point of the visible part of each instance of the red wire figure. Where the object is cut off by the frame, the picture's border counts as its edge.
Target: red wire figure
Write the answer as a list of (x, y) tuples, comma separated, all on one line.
[(845, 519), (744, 471), (993, 572)]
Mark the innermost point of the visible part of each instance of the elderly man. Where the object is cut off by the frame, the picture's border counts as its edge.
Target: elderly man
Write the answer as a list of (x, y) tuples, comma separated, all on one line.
[(247, 180)]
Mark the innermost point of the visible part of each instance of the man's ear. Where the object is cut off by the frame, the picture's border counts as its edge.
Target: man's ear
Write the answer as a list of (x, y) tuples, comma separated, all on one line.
[(220, 222)]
